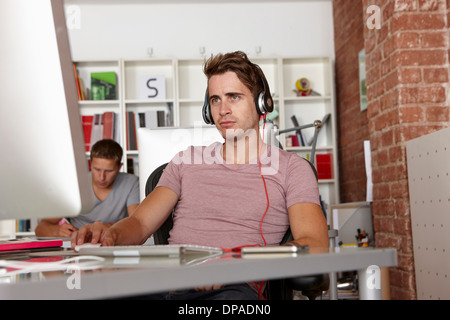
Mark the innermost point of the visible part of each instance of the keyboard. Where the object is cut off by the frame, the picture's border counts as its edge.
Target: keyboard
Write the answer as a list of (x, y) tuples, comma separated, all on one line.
[(149, 251)]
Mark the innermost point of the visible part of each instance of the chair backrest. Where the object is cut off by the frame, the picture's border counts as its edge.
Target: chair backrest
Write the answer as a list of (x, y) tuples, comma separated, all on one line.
[(161, 236)]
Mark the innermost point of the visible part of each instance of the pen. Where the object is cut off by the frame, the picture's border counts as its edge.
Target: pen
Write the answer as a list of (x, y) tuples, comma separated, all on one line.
[(62, 221)]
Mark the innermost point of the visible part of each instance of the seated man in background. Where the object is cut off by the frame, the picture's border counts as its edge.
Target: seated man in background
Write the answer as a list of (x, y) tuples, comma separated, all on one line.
[(223, 200), (116, 194)]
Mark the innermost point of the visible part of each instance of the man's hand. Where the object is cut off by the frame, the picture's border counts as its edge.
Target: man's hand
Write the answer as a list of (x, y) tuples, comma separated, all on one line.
[(208, 288), (93, 233), (66, 230)]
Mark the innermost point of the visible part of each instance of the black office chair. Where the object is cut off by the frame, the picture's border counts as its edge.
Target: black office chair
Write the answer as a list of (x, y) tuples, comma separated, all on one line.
[(311, 286)]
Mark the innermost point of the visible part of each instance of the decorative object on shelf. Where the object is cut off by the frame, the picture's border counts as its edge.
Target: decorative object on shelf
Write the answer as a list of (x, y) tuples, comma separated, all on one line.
[(153, 87), (317, 124), (303, 88)]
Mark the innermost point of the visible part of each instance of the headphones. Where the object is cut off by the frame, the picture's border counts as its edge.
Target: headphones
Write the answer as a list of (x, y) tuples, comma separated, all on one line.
[(263, 103)]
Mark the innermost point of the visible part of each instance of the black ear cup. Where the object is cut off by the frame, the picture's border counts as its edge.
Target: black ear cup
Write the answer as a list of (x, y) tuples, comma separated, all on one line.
[(263, 101), (206, 110)]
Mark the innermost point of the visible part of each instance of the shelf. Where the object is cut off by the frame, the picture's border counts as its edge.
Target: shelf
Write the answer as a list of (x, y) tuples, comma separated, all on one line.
[(142, 101), (307, 98), (185, 86), (98, 102)]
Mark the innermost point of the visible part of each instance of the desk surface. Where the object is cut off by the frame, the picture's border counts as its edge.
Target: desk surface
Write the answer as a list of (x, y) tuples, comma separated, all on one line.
[(119, 278)]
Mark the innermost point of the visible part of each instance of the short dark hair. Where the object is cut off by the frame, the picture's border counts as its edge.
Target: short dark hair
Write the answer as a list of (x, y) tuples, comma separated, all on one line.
[(107, 149), (249, 73)]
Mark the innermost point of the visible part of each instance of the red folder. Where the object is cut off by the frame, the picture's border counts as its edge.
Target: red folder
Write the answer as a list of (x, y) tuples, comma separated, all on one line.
[(28, 244)]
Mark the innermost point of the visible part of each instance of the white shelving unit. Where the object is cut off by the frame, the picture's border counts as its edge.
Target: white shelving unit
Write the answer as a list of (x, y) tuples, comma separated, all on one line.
[(185, 88)]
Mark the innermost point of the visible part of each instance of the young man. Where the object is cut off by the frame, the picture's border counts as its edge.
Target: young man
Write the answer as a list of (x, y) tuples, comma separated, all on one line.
[(116, 194), (243, 193)]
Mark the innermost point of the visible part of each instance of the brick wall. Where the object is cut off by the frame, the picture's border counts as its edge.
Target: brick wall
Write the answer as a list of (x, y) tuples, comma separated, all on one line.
[(352, 123), (407, 87)]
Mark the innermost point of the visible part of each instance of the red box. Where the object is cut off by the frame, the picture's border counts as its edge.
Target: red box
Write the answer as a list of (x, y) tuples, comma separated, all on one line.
[(324, 166), (294, 141)]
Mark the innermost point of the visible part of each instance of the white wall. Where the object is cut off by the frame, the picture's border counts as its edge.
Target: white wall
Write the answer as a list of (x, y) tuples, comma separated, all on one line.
[(112, 29)]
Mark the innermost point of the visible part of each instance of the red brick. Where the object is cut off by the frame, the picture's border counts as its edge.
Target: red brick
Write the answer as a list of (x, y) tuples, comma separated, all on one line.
[(432, 75), (434, 39), (399, 189), (386, 240), (370, 43), (414, 131), (431, 5), (390, 80), (418, 21), (402, 226), (441, 114), (373, 108), (411, 114), (408, 95), (383, 209), (389, 100), (407, 40), (433, 94), (402, 207), (396, 153), (381, 191), (409, 75), (387, 138), (420, 57), (405, 5)]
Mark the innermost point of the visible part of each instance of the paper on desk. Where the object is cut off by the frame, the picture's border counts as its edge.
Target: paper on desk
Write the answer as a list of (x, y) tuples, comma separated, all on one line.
[(368, 161)]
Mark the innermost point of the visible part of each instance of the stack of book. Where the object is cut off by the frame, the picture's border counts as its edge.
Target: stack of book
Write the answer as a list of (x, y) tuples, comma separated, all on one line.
[(103, 86), (100, 126), (147, 119)]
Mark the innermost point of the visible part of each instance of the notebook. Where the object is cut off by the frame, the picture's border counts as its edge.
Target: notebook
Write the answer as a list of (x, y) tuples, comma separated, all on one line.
[(28, 243), (149, 251)]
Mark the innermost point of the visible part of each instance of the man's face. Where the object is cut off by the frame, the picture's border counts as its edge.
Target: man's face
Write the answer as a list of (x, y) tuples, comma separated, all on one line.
[(104, 172), (232, 104)]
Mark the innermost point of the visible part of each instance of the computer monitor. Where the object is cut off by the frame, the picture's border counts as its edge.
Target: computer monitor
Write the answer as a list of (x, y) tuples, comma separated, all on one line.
[(159, 146), (43, 167)]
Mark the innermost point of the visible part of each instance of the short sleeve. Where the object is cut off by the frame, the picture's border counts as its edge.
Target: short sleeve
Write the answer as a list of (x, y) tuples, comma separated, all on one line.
[(301, 182), (133, 197), (171, 177)]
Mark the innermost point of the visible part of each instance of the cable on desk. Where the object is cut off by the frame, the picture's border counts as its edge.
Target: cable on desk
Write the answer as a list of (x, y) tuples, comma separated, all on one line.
[(27, 267)]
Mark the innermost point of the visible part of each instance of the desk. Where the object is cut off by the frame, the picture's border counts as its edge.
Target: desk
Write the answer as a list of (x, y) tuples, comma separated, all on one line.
[(110, 282)]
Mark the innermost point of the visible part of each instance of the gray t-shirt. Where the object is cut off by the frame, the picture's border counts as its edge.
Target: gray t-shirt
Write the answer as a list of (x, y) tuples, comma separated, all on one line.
[(125, 192)]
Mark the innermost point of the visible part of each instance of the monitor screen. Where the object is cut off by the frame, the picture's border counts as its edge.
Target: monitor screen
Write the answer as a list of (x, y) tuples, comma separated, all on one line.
[(159, 146), (43, 167)]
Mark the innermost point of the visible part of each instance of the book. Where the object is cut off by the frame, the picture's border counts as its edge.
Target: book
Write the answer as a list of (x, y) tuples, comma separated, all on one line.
[(87, 121), (131, 131), (169, 117), (103, 85), (97, 129), (324, 166), (152, 119), (108, 125), (77, 81), (161, 115)]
